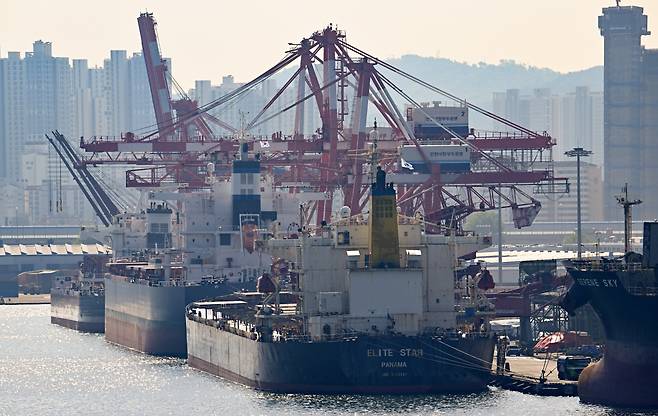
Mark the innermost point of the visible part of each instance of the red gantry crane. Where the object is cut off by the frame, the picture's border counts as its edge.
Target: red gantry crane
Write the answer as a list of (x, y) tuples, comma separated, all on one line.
[(335, 161)]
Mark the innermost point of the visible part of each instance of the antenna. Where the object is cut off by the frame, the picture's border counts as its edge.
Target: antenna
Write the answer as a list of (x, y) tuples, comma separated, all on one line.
[(628, 216), (242, 137), (374, 157)]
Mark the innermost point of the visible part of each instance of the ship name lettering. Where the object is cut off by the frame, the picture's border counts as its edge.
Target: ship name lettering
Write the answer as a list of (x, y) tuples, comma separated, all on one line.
[(380, 352), (609, 283), (588, 282), (394, 364), (411, 352)]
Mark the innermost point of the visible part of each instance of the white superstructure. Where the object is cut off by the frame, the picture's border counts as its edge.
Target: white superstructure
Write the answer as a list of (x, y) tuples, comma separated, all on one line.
[(342, 294)]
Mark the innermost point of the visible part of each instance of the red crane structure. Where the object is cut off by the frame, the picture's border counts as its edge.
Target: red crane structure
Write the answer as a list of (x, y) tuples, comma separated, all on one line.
[(335, 161)]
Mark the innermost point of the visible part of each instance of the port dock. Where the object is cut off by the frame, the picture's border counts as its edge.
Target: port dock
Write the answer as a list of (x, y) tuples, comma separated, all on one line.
[(525, 377)]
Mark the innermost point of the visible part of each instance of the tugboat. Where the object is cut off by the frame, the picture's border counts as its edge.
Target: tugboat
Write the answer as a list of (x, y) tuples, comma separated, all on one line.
[(365, 305), (624, 294)]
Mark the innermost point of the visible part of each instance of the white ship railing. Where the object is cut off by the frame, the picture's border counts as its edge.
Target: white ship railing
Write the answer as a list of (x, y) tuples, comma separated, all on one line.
[(642, 290), (601, 266)]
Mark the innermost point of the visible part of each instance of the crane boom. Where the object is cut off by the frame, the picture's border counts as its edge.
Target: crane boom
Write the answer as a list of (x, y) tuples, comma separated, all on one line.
[(156, 70)]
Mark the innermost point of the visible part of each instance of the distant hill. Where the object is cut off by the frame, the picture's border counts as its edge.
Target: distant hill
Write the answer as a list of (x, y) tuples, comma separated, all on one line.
[(477, 82)]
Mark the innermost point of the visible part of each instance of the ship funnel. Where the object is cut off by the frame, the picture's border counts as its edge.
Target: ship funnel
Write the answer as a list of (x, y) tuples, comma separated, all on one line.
[(383, 224)]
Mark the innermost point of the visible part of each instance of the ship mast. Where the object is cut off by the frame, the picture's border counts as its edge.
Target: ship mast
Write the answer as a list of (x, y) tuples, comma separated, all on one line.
[(242, 139), (374, 156), (628, 216)]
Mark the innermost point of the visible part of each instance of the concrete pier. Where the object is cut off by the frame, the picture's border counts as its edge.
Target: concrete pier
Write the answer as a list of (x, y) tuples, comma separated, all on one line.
[(532, 366), (525, 373)]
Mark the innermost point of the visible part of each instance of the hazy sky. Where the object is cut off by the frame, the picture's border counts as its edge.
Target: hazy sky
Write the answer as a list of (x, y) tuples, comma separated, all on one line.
[(208, 39)]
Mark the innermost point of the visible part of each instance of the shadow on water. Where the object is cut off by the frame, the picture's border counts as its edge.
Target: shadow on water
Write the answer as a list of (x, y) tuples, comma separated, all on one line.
[(375, 404), (492, 402), (606, 411)]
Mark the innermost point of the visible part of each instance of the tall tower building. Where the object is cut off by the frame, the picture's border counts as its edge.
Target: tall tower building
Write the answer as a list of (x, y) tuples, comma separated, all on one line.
[(142, 115), (621, 28), (13, 120), (83, 103), (649, 127), (119, 77)]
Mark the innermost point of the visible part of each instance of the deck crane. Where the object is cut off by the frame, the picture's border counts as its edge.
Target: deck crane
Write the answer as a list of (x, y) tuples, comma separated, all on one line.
[(97, 195)]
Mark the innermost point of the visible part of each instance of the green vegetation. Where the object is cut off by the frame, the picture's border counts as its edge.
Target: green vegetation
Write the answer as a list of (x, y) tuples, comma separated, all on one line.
[(588, 238), (483, 223)]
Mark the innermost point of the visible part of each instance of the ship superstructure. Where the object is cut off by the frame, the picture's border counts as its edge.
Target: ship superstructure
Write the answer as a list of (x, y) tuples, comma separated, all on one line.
[(198, 244), (372, 295), (219, 228)]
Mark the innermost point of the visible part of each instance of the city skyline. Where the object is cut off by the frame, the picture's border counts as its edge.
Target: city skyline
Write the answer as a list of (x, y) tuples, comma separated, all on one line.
[(263, 42), (343, 207), (81, 99)]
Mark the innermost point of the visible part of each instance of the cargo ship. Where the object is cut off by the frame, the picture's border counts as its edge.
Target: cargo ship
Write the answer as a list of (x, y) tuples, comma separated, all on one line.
[(198, 244), (77, 300), (623, 292), (367, 304), (145, 304)]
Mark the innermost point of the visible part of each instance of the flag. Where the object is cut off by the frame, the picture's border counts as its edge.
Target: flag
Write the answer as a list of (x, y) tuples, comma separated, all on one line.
[(406, 164)]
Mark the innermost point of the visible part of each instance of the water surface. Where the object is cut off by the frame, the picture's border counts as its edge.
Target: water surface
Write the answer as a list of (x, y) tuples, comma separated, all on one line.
[(49, 370)]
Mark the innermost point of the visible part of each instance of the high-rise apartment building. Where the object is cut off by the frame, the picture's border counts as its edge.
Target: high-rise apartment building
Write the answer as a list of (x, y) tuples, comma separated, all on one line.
[(40, 93), (564, 207), (142, 115), (574, 119), (249, 105), (14, 117), (630, 110), (580, 124)]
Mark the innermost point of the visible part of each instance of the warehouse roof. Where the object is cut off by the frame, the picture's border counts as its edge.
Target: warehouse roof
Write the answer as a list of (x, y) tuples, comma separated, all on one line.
[(52, 249)]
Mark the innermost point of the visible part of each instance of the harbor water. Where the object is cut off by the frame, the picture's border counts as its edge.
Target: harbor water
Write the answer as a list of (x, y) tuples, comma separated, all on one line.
[(50, 370)]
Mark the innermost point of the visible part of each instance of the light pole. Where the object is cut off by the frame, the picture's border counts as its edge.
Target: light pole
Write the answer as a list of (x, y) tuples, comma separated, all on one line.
[(578, 152), (500, 234)]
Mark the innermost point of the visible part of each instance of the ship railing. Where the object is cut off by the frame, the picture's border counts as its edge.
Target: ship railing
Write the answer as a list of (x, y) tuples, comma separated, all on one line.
[(234, 326), (603, 266), (642, 290), (363, 265), (342, 336), (154, 283)]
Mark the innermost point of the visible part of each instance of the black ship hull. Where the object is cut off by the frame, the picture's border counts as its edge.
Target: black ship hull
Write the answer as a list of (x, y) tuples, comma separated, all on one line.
[(627, 303), (151, 319), (363, 364), (84, 313)]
